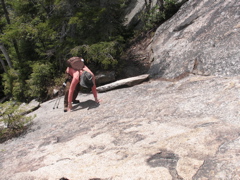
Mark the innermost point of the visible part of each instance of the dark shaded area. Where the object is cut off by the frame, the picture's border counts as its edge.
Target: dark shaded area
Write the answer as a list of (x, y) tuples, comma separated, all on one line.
[(63, 178), (206, 170), (89, 104), (1, 88), (165, 159)]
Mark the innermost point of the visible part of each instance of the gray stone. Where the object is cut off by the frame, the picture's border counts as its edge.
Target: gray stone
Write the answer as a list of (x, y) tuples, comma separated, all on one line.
[(202, 38), (132, 11), (105, 77), (186, 129), (29, 107), (176, 128)]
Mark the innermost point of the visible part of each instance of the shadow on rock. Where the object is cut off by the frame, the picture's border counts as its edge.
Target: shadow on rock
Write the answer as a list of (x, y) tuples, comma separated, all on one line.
[(165, 159), (89, 104)]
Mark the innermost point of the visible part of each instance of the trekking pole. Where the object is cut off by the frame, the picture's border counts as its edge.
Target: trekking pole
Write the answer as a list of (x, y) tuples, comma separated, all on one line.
[(56, 102), (60, 93), (59, 98)]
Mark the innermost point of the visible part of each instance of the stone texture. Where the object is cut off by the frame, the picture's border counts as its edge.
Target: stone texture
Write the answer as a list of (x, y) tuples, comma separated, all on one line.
[(132, 11), (105, 77), (202, 38), (182, 129), (29, 107), (186, 129)]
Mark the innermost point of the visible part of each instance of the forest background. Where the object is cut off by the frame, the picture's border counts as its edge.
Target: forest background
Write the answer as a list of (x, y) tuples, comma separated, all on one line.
[(38, 36)]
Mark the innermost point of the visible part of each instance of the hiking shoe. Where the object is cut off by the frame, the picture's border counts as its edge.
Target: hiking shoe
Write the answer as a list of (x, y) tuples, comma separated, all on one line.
[(76, 101), (65, 109)]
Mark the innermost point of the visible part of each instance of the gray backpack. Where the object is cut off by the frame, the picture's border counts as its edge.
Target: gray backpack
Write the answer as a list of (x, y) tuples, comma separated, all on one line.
[(86, 80)]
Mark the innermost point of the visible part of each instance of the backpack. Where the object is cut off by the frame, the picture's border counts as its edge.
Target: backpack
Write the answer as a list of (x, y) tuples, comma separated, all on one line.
[(76, 63)]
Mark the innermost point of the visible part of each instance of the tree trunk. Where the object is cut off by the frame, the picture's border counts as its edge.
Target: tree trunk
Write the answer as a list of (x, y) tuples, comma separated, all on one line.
[(148, 5), (161, 5), (8, 21), (4, 51), (5, 11), (3, 65)]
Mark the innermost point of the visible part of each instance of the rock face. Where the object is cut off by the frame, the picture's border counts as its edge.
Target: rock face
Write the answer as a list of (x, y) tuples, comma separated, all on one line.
[(202, 38), (164, 130), (187, 129), (133, 10), (105, 77)]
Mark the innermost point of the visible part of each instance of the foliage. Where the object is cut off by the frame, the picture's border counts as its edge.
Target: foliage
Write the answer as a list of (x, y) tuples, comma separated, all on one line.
[(41, 35), (14, 120), (39, 80), (12, 85), (56, 85), (45, 32), (157, 15), (58, 81), (104, 54), (34, 88)]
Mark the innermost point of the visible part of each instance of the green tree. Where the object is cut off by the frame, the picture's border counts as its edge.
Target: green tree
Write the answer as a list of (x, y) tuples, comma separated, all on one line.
[(12, 115), (39, 80), (102, 54), (153, 16), (6, 13), (47, 32)]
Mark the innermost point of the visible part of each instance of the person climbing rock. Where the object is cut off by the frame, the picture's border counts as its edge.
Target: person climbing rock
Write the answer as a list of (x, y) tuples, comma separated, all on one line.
[(78, 75)]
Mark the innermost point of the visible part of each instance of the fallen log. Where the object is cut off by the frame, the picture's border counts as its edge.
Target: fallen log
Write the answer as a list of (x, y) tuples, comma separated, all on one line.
[(123, 82)]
